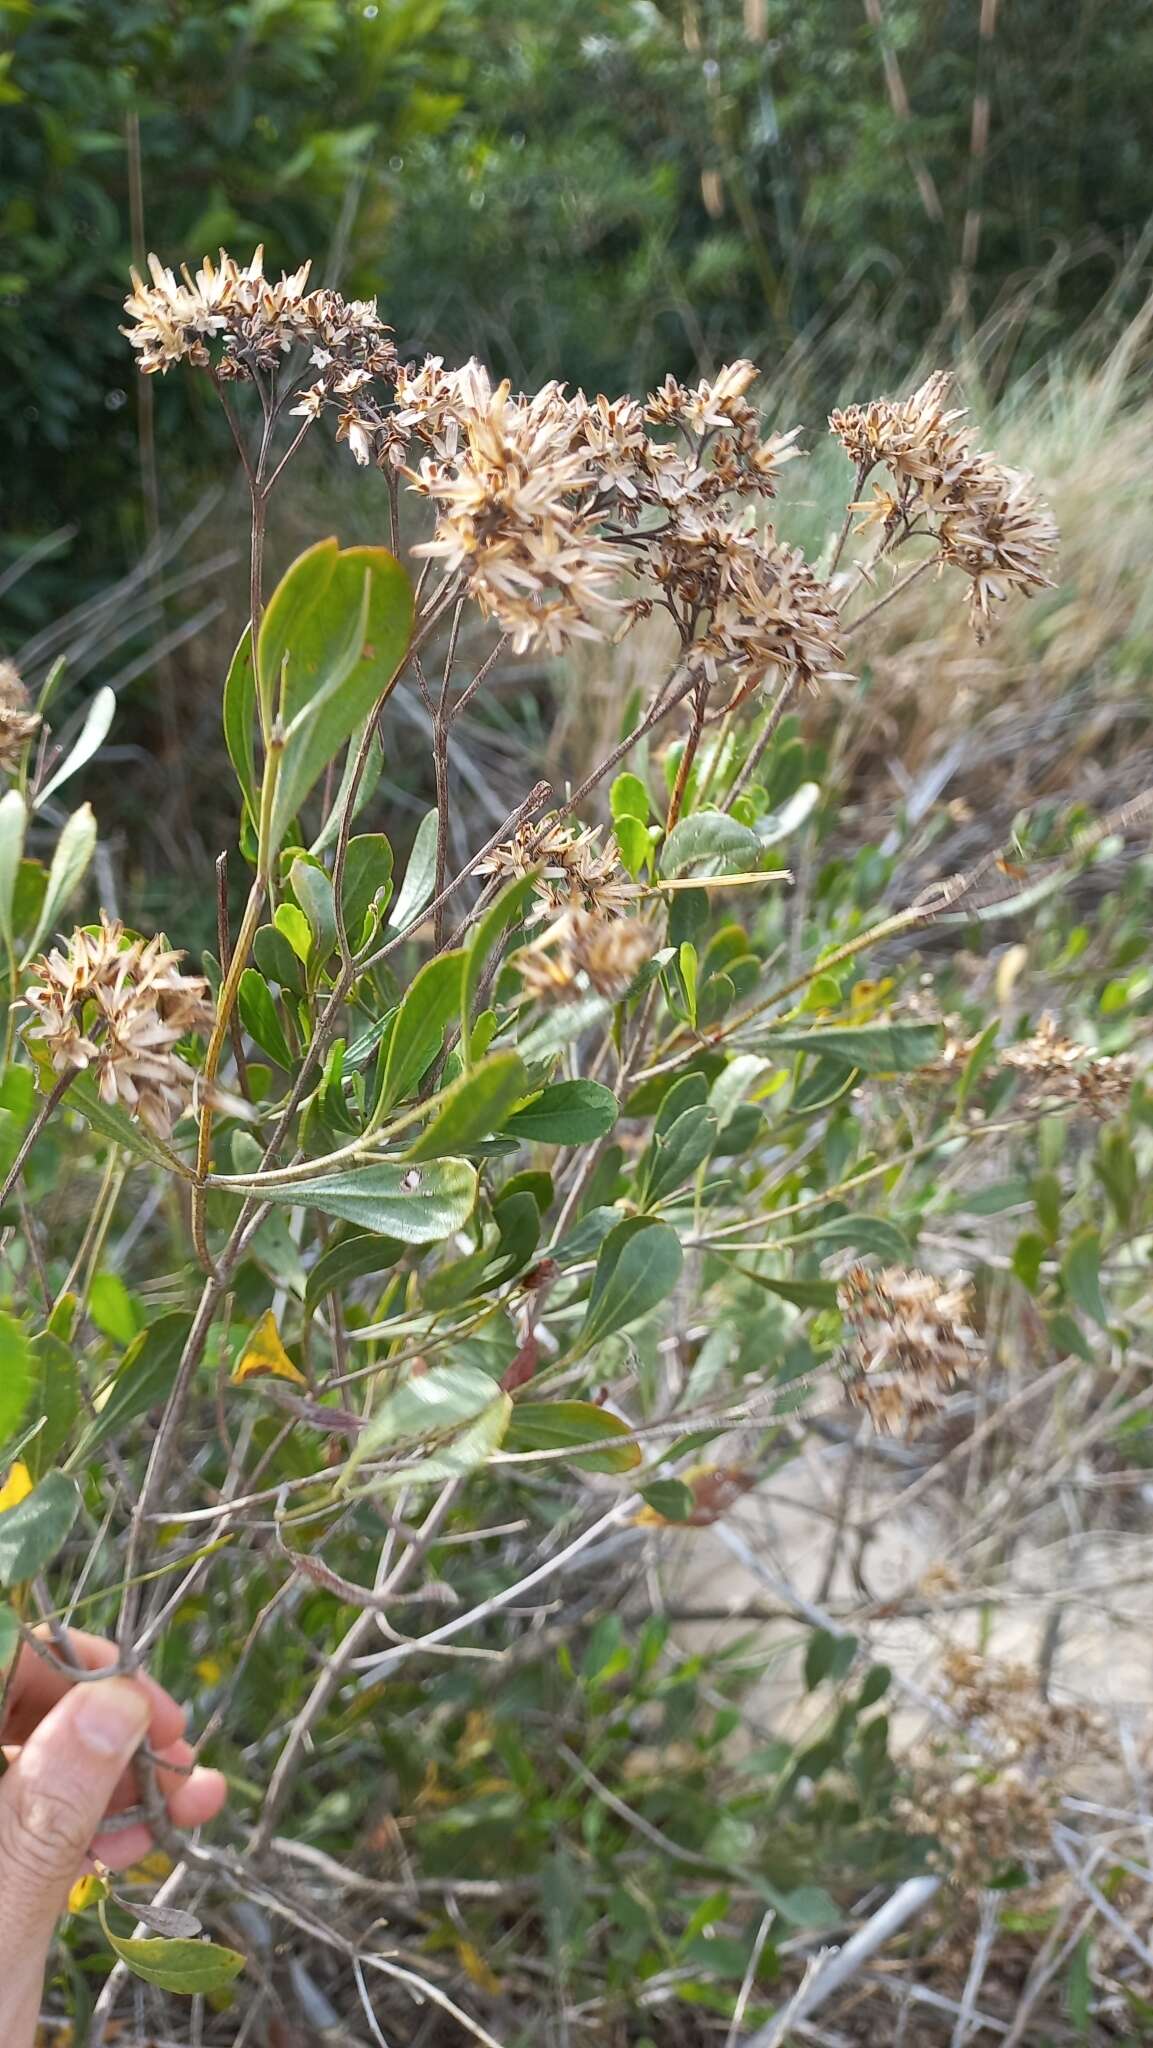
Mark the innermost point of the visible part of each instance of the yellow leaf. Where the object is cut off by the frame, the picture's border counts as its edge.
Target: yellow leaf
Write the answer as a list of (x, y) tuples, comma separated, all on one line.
[(210, 1670), (264, 1353), (151, 1869), (16, 1487), (86, 1891), (476, 1967)]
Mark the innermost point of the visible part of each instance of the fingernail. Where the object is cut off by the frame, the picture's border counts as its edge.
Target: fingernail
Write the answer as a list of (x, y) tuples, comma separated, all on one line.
[(112, 1717)]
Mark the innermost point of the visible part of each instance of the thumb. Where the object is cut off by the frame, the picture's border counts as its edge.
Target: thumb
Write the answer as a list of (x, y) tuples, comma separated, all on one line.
[(53, 1799)]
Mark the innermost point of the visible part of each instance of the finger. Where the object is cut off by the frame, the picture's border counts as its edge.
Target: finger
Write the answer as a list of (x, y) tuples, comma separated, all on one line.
[(53, 1799), (36, 1688), (196, 1800)]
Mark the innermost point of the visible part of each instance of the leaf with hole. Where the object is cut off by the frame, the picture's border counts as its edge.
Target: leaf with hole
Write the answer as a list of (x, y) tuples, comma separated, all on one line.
[(417, 1204)]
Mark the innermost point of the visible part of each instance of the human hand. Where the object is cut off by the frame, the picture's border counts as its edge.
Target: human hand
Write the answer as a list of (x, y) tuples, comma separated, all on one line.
[(69, 1749)]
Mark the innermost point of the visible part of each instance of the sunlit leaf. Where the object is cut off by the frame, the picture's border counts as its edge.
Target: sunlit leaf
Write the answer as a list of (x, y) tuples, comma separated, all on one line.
[(417, 1204), (13, 824), (191, 1968), (93, 733), (335, 629), (426, 1405), (433, 996)]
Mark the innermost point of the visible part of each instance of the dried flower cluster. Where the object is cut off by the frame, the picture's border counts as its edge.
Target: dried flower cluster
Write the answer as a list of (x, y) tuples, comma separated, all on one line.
[(986, 519), (582, 951), (233, 320), (992, 1805), (573, 870), (119, 1007), (1057, 1070), (912, 1340), (18, 723)]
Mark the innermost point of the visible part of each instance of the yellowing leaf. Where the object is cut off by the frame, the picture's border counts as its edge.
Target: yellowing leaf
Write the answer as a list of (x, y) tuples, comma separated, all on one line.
[(209, 1670), (265, 1354), (475, 1966), (151, 1869), (16, 1487), (86, 1891)]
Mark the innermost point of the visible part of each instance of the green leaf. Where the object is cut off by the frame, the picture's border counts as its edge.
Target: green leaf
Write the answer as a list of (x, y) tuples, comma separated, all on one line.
[(675, 1154), (261, 1019), (567, 1113), (113, 1122), (312, 887), (710, 837), (828, 1656), (112, 1308), (13, 825), (417, 1204), (802, 1293), (350, 1258), (32, 1533), (419, 876), (367, 875), (1081, 1272), (9, 1638), (637, 1267), (93, 733), (74, 850), (341, 620), (190, 1968), (16, 1374), (874, 1234), (629, 798), (491, 929), (239, 718), (669, 1498), (574, 1426), (430, 1404), (143, 1382), (873, 1048), (473, 1107), (289, 920), (634, 844), (464, 1452), (417, 1036), (54, 1402)]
